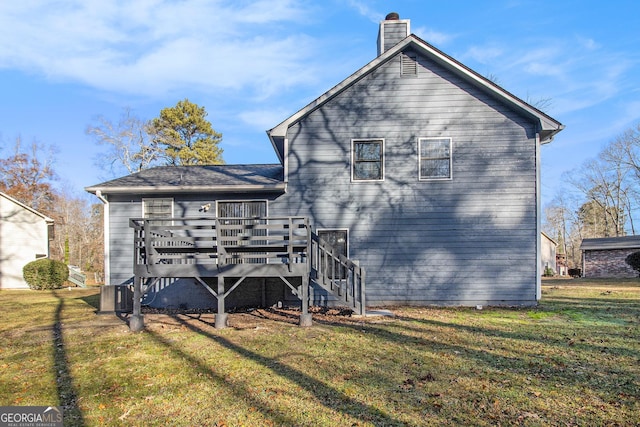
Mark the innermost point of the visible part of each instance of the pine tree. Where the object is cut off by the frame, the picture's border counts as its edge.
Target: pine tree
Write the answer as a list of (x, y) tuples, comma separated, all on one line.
[(186, 136)]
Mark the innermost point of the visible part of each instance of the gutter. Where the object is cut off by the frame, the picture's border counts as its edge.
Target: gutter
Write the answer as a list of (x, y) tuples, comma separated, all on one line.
[(187, 189), (99, 195)]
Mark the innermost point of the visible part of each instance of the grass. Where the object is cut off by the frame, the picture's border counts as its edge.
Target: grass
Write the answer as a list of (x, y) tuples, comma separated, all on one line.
[(573, 360)]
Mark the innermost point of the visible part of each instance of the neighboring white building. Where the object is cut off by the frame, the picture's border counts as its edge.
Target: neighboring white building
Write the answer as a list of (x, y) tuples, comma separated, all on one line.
[(24, 237), (548, 254)]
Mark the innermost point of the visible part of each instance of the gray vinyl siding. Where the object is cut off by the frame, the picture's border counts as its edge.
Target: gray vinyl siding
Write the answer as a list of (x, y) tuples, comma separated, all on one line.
[(122, 208), (121, 238), (468, 240)]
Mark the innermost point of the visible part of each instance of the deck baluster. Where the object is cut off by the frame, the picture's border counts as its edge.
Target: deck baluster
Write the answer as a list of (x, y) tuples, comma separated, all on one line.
[(241, 247)]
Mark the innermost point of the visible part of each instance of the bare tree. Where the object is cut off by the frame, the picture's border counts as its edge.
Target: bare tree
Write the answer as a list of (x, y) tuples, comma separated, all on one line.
[(561, 222), (27, 175), (625, 149), (623, 153), (607, 196), (603, 183), (129, 146), (542, 104), (79, 232)]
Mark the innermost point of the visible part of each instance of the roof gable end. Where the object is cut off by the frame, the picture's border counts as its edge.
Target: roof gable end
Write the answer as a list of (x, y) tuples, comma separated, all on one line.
[(25, 207), (547, 126)]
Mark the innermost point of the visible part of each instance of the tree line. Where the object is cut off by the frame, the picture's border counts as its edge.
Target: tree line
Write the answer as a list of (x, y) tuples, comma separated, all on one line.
[(180, 135), (601, 198)]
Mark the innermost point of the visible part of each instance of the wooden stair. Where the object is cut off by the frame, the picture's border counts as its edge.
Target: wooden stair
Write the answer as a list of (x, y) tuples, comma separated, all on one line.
[(77, 278), (340, 276)]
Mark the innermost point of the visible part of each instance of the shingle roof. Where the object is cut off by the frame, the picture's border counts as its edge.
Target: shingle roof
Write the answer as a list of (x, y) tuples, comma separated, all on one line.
[(625, 242), (213, 178)]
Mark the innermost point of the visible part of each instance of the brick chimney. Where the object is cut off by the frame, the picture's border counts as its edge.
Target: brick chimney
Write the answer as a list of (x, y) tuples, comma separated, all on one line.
[(392, 31)]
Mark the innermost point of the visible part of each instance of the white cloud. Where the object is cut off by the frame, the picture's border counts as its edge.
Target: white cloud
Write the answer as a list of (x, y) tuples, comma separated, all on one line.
[(483, 54), (589, 43), (528, 55), (431, 36), (151, 46), (363, 9), (631, 114), (587, 80), (264, 119), (574, 73)]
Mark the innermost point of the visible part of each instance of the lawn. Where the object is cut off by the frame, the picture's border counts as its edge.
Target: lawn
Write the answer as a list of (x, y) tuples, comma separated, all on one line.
[(573, 360)]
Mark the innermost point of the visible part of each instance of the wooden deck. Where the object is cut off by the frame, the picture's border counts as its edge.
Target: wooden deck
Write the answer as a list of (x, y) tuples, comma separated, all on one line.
[(283, 247)]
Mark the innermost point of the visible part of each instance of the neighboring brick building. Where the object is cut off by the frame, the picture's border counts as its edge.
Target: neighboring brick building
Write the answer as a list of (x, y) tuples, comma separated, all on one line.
[(605, 257)]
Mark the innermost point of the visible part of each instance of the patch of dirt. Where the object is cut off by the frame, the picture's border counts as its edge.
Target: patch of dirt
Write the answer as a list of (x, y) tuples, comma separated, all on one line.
[(252, 318)]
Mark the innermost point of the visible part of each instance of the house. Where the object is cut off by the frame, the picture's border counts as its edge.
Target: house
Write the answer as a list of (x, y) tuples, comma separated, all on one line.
[(561, 264), (24, 237), (422, 170), (548, 255), (605, 257)]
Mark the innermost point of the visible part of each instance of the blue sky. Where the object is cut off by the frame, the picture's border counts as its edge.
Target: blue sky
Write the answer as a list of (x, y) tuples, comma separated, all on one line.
[(252, 64)]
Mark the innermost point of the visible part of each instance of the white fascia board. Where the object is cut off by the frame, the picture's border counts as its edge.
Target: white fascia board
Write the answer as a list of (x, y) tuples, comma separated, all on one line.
[(28, 208), (281, 129), (546, 123), (188, 189)]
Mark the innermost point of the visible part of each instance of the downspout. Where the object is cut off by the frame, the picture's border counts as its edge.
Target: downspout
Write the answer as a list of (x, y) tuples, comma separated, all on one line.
[(285, 160), (538, 223), (106, 238)]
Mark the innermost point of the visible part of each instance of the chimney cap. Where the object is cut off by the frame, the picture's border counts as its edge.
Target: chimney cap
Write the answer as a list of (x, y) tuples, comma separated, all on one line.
[(393, 16)]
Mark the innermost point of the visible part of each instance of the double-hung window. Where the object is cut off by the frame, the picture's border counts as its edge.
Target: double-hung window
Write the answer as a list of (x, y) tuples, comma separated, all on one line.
[(158, 209), (367, 160), (434, 158)]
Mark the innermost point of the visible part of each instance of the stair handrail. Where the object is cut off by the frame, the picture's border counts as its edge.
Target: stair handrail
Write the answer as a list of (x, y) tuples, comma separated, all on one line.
[(77, 278), (347, 275)]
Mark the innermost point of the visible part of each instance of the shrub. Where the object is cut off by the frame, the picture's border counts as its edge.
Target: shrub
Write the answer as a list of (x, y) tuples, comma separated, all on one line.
[(45, 273), (634, 261)]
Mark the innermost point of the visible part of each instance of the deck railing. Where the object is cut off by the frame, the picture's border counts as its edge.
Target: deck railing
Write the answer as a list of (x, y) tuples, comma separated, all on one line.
[(260, 240), (77, 278), (220, 241), (343, 277)]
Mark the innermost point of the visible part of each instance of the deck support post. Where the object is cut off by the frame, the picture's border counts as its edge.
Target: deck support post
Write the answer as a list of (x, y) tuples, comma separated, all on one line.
[(136, 323), (221, 316), (305, 317)]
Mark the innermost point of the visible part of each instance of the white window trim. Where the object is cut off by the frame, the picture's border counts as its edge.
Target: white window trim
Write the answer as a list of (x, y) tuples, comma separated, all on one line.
[(404, 58), (353, 153), (450, 177), (144, 214), (265, 201), (346, 230)]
